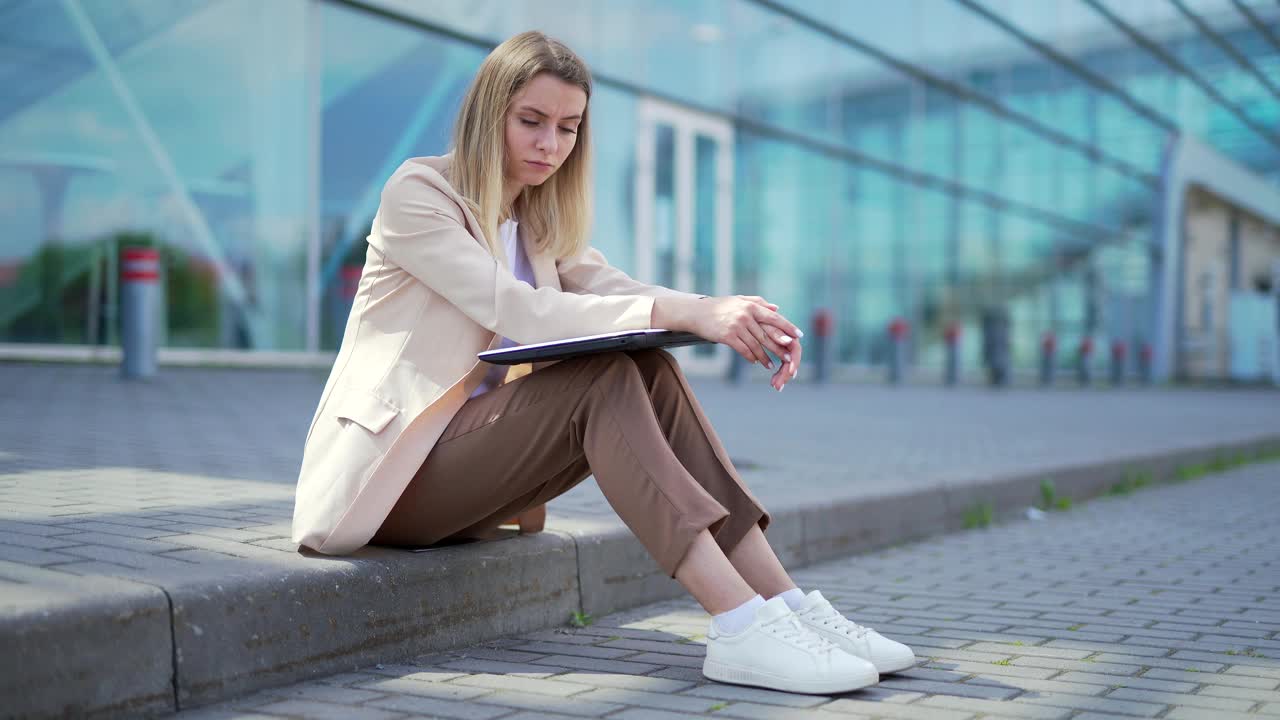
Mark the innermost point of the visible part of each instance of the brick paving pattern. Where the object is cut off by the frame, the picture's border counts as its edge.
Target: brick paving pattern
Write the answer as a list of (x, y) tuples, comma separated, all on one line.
[(192, 473), (1164, 603)]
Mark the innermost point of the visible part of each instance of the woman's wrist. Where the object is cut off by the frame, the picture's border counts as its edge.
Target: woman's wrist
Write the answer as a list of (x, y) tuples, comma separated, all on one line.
[(670, 313)]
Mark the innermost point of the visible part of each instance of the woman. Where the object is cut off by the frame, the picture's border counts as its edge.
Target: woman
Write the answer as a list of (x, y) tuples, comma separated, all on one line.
[(415, 441)]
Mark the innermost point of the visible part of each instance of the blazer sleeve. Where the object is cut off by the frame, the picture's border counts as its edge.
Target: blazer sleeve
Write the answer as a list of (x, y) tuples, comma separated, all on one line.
[(422, 230), (590, 272)]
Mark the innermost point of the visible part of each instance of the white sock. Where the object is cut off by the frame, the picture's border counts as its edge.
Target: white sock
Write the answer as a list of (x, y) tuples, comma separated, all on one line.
[(737, 619), (794, 598)]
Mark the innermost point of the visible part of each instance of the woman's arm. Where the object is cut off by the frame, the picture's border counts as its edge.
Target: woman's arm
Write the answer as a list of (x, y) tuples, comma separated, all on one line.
[(421, 229), (591, 273)]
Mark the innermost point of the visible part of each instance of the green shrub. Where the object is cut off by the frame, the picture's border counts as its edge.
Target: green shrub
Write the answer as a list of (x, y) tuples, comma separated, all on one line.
[(1191, 472), (1048, 494), (978, 516)]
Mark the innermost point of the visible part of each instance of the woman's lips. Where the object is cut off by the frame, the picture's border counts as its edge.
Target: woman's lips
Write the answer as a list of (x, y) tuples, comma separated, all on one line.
[(539, 165)]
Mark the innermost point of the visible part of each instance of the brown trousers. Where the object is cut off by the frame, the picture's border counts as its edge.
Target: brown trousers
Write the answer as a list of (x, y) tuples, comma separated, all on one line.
[(630, 419)]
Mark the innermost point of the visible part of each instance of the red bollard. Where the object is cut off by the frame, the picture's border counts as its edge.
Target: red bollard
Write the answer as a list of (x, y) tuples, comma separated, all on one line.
[(1048, 349), (1144, 363), (898, 330), (140, 300), (1118, 352), (821, 331), (951, 336), (1083, 373), (350, 281)]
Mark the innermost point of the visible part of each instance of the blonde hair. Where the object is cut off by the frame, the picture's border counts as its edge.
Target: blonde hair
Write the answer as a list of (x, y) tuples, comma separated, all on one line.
[(557, 212)]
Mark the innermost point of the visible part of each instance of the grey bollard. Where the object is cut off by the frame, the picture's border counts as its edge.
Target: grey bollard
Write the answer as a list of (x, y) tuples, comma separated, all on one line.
[(822, 322), (898, 330), (1048, 346), (895, 362), (1117, 363), (734, 375), (139, 311), (952, 337), (995, 344), (1084, 373), (820, 359)]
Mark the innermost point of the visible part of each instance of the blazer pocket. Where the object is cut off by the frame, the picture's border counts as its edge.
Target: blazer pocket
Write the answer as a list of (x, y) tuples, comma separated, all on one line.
[(365, 409)]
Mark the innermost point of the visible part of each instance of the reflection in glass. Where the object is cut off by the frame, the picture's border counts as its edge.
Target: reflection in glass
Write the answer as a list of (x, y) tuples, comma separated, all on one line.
[(664, 205), (416, 82), (705, 155), (161, 124)]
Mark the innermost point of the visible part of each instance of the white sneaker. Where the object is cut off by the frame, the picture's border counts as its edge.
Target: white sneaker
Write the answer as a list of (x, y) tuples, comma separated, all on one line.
[(887, 655), (777, 652)]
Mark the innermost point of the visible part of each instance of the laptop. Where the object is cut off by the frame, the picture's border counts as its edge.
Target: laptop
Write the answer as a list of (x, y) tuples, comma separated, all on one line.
[(589, 345)]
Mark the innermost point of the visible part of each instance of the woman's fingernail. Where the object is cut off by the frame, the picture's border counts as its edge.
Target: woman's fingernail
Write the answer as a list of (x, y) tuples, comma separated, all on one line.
[(799, 332), (784, 339), (787, 357)]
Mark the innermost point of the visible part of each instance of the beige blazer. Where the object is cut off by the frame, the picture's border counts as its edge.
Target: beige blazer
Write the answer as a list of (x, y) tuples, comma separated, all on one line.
[(430, 297)]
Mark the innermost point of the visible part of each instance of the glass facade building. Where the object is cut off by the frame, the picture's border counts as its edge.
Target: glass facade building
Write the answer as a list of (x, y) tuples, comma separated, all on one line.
[(922, 159)]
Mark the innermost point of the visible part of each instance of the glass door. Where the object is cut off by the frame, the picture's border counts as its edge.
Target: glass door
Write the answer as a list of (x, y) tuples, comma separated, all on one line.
[(684, 210)]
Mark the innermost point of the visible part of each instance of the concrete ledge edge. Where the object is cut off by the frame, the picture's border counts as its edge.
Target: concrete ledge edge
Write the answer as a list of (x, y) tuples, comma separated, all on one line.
[(274, 625)]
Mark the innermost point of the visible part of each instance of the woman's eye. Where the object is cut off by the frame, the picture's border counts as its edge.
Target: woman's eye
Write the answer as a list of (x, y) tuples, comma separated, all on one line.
[(571, 131), (530, 123)]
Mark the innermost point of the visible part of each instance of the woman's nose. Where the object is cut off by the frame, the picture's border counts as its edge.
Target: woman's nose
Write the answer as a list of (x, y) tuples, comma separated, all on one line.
[(546, 141)]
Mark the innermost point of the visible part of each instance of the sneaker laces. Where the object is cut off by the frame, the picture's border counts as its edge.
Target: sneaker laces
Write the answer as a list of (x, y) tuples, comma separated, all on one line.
[(789, 629), (831, 618)]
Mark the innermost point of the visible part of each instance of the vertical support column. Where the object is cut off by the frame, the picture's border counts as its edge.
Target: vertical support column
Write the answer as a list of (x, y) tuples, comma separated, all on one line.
[(312, 70)]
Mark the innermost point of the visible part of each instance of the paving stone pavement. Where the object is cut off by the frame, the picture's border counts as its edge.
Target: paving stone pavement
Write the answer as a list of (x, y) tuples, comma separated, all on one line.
[(192, 472), (1164, 603)]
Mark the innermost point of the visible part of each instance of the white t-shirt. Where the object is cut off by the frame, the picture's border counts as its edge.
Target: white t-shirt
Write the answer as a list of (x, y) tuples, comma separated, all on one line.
[(523, 270)]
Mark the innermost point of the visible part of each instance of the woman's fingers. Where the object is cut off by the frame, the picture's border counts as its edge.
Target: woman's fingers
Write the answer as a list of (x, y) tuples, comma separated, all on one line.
[(757, 352), (789, 367), (796, 352), (770, 317), (755, 330), (741, 347), (769, 339)]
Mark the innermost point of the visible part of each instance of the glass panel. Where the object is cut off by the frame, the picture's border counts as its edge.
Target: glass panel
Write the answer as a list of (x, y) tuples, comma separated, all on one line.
[(705, 154), (782, 245), (664, 205), (613, 141), (869, 244), (368, 62), (1178, 35), (752, 62), (1090, 39), (189, 138)]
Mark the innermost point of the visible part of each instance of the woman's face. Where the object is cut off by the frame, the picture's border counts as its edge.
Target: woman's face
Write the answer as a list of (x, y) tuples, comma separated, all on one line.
[(542, 128)]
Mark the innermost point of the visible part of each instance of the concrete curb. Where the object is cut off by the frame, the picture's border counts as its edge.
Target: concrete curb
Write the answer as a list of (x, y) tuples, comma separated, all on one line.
[(261, 629), (68, 652), (127, 649)]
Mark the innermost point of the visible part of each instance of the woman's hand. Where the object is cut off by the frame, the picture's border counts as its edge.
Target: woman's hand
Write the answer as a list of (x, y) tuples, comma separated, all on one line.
[(749, 324)]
